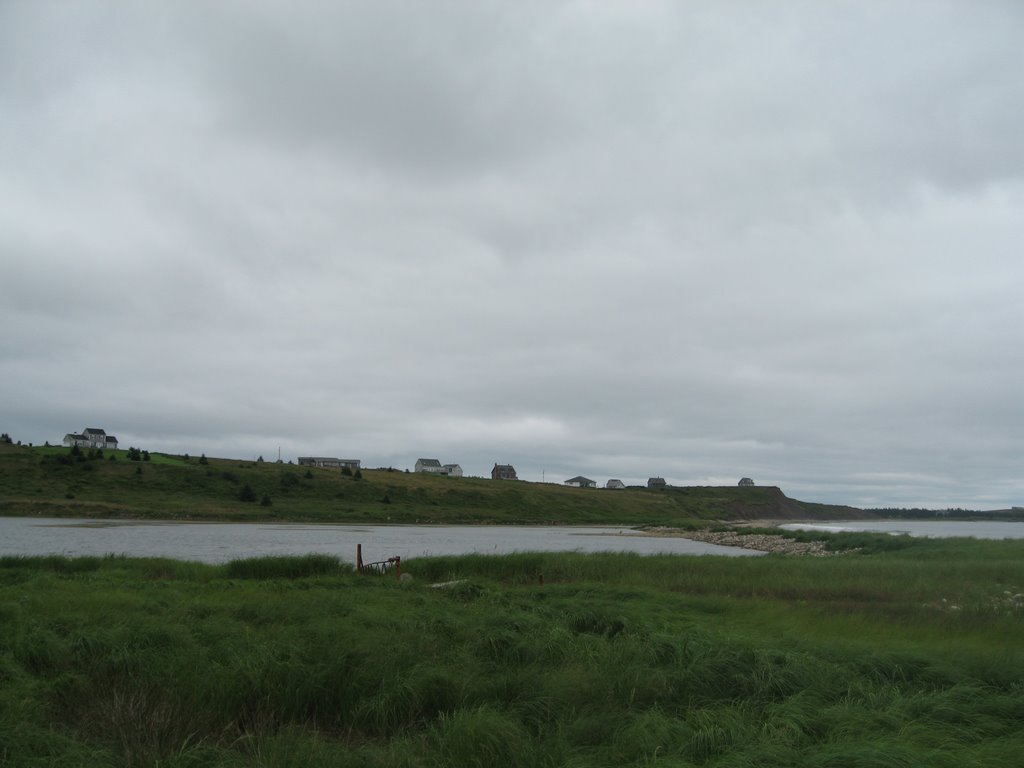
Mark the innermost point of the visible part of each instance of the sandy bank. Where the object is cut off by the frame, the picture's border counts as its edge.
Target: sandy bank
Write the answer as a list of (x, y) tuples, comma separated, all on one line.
[(762, 542)]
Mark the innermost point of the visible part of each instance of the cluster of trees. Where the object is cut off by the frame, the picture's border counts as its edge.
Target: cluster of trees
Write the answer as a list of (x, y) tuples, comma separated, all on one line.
[(247, 494), (134, 454), (75, 453)]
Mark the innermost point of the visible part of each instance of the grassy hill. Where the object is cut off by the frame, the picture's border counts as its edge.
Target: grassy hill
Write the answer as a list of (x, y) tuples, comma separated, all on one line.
[(50, 481)]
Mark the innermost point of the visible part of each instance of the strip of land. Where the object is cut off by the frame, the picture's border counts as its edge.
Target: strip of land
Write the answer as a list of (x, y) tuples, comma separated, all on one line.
[(774, 543), (48, 482)]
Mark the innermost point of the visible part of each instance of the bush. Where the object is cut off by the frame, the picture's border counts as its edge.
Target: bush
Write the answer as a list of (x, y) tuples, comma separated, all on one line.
[(247, 493), (265, 501)]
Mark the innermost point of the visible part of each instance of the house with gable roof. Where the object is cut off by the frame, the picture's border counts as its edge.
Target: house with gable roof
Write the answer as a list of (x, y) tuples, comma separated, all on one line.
[(91, 437), (503, 472), (435, 467)]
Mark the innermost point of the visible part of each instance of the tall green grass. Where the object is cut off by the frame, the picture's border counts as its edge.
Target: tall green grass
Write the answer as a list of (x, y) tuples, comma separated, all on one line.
[(612, 660)]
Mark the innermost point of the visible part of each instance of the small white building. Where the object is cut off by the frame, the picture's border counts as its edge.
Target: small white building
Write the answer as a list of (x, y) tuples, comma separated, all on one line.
[(435, 467), (615, 485), (328, 462), (581, 482)]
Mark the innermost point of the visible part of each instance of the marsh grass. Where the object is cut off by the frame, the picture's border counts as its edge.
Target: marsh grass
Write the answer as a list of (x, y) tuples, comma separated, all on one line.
[(614, 660), (287, 567)]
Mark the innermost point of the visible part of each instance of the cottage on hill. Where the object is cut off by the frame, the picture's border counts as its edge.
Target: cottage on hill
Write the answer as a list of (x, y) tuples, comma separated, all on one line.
[(746, 482), (615, 485), (435, 467), (581, 482), (329, 462), (428, 465), (503, 472), (91, 437), (656, 482)]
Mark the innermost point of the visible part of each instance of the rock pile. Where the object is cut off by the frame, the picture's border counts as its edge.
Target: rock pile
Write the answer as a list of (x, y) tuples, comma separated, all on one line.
[(760, 541)]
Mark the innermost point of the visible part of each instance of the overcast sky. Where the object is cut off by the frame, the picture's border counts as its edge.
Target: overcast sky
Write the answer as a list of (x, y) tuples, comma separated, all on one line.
[(697, 240)]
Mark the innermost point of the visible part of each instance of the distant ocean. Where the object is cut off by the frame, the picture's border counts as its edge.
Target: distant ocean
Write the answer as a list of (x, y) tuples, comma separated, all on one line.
[(940, 529)]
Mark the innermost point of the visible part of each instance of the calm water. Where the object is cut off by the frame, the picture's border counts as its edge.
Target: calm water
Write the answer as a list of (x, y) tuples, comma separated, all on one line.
[(220, 542), (975, 529)]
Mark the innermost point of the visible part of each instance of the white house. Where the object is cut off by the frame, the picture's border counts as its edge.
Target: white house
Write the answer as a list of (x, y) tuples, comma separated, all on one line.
[(434, 467), (91, 438), (429, 465), (615, 484), (581, 482)]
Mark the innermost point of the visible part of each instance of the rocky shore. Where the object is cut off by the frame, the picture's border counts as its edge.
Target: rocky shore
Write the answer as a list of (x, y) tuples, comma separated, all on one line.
[(762, 542)]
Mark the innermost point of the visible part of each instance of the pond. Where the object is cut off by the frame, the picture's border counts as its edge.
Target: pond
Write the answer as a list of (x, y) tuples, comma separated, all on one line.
[(221, 542)]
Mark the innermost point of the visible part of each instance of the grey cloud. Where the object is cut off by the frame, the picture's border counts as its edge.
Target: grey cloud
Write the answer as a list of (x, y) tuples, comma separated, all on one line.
[(647, 239)]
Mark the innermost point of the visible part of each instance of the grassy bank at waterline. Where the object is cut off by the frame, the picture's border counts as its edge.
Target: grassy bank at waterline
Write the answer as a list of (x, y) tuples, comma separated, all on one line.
[(51, 482), (906, 658)]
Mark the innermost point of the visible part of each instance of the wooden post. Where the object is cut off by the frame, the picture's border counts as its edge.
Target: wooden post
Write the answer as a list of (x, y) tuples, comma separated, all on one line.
[(359, 558)]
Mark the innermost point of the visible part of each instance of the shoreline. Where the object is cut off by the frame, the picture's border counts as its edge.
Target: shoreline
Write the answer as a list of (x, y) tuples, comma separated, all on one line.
[(775, 544)]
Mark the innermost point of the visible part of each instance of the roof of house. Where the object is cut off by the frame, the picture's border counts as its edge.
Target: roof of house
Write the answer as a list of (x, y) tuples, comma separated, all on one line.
[(452, 466), (428, 462), (579, 479), (93, 431)]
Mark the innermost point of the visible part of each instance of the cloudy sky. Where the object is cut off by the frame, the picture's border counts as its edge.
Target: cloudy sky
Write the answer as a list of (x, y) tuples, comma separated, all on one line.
[(620, 239)]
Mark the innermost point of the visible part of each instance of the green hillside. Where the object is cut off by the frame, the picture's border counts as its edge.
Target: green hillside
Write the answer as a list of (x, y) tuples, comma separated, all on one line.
[(53, 482)]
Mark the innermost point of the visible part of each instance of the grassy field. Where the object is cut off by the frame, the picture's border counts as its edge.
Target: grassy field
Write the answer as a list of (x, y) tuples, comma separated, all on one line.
[(50, 482), (912, 657)]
